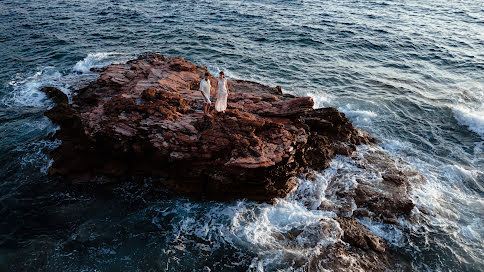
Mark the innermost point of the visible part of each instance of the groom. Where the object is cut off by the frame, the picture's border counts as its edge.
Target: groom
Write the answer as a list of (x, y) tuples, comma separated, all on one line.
[(205, 90)]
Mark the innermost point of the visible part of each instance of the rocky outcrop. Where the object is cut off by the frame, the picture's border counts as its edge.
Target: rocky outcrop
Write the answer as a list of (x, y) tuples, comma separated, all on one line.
[(143, 119)]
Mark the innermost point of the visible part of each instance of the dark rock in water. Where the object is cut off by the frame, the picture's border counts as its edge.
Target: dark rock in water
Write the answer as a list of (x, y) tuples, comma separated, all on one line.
[(339, 257), (96, 70), (376, 197), (360, 236), (144, 119), (388, 199), (385, 205), (396, 179), (364, 252), (55, 95)]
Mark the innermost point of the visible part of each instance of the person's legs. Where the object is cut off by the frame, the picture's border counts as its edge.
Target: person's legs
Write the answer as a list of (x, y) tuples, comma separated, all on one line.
[(206, 109)]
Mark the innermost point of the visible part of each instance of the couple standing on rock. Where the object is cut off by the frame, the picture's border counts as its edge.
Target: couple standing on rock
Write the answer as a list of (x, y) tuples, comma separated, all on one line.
[(221, 95)]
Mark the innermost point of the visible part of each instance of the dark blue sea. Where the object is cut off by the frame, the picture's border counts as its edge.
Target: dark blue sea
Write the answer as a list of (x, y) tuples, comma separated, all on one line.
[(410, 72)]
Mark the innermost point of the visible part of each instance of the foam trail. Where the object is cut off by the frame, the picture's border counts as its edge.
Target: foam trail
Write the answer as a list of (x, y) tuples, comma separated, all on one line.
[(277, 234), (36, 154), (470, 110), (443, 201)]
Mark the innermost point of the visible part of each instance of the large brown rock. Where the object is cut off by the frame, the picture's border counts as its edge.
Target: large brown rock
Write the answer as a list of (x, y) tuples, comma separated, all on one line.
[(143, 119)]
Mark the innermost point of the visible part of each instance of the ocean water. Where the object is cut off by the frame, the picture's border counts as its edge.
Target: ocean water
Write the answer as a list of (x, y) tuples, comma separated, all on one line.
[(410, 72)]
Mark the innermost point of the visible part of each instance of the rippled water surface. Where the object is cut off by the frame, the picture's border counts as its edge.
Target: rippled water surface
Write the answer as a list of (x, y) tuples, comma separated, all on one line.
[(410, 72)]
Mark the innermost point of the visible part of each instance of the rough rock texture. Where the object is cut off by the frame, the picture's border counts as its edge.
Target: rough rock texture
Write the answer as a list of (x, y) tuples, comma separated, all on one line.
[(363, 251), (360, 236), (56, 95), (143, 119), (379, 191)]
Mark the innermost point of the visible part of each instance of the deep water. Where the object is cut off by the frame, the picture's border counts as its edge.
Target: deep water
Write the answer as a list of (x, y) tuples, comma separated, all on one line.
[(410, 72)]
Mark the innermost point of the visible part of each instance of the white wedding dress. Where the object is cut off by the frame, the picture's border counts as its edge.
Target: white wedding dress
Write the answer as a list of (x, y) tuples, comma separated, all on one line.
[(221, 103)]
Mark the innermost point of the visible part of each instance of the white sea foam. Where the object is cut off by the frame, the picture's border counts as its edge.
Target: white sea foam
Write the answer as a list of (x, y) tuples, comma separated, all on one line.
[(469, 108), (94, 60), (391, 233), (320, 100), (472, 118), (290, 232), (394, 146), (36, 154), (471, 231), (440, 195), (358, 116), (280, 235), (479, 153), (27, 91), (444, 200)]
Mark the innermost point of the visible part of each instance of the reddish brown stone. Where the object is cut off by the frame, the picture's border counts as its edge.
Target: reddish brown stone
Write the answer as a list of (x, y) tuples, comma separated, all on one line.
[(144, 119)]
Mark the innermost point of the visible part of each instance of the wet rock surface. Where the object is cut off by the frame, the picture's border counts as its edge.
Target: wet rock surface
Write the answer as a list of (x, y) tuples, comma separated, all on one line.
[(360, 250), (360, 236), (144, 119)]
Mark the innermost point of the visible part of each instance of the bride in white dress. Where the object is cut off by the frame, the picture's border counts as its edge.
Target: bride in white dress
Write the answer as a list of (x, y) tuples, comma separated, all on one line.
[(222, 94)]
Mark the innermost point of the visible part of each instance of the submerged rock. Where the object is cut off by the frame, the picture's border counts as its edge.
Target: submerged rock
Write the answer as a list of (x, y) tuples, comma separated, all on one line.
[(144, 119)]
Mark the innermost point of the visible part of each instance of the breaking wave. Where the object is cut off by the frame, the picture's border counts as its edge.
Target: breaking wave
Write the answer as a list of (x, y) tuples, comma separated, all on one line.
[(27, 91), (471, 118), (95, 60)]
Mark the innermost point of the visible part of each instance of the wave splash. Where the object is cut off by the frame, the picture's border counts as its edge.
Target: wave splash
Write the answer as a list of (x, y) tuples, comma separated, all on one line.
[(470, 111), (94, 60), (26, 91), (471, 118), (280, 237), (359, 117)]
